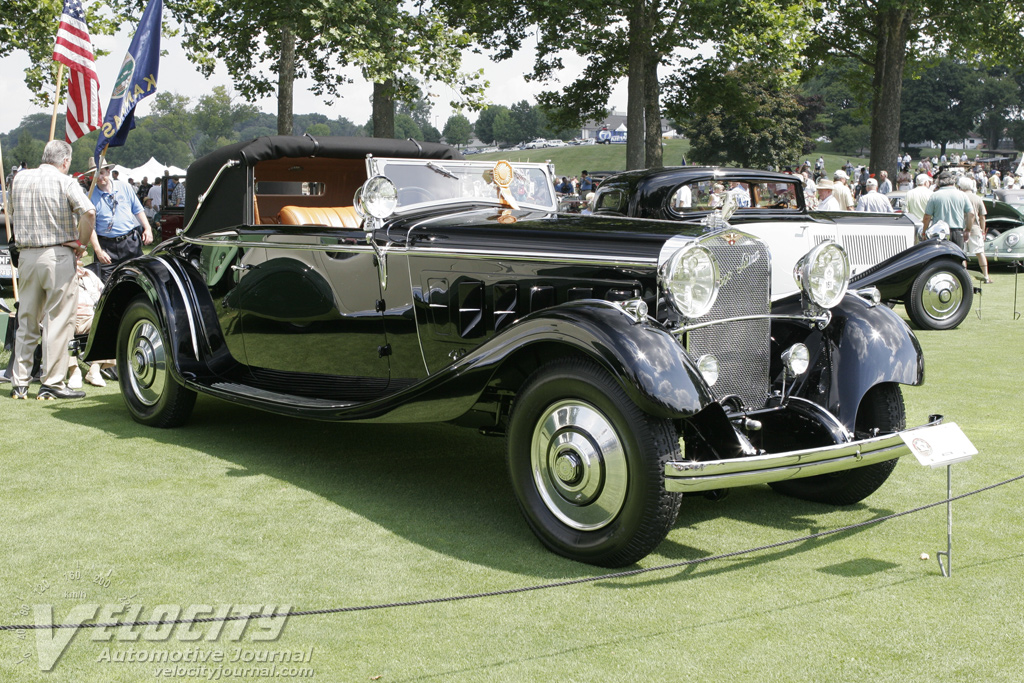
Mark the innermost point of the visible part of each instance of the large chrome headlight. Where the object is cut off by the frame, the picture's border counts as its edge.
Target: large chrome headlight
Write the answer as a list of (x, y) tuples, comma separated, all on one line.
[(823, 274), (690, 276), (379, 197)]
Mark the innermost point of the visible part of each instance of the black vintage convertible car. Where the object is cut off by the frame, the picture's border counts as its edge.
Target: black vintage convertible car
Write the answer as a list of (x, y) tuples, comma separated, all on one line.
[(927, 277), (628, 362)]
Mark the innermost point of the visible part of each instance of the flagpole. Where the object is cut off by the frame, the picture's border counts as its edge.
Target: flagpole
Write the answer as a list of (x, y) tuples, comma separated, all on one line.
[(96, 173), (7, 222), (56, 99)]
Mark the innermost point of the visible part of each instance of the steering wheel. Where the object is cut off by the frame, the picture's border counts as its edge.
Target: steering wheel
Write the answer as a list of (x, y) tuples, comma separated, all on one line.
[(419, 194)]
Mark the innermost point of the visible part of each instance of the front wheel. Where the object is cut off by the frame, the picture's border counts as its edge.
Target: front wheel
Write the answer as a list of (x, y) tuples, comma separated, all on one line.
[(150, 392), (881, 409), (587, 465), (941, 296)]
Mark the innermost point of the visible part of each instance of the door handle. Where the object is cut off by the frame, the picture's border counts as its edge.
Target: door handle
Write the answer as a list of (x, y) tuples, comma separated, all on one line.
[(237, 267)]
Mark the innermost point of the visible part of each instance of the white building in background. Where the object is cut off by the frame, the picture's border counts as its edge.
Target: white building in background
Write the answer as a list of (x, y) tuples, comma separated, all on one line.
[(614, 126)]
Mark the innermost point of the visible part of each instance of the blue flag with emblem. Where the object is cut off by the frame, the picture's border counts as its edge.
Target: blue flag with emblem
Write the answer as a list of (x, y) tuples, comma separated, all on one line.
[(136, 80)]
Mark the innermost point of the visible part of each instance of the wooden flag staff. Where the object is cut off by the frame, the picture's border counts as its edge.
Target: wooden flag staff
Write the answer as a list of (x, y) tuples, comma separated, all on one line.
[(56, 99)]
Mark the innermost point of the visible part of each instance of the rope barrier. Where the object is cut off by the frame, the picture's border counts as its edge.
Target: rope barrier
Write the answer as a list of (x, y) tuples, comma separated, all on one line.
[(523, 589)]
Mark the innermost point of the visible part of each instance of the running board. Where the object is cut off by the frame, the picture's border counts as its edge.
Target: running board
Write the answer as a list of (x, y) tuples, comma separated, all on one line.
[(243, 393)]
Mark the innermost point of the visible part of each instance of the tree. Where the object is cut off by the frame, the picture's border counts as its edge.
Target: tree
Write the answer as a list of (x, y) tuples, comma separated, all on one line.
[(632, 39), (887, 37), (745, 116), (940, 105), (458, 130), (406, 128), (319, 130), (31, 26), (298, 39), (526, 120), (431, 134), (396, 48), (504, 129), (484, 125)]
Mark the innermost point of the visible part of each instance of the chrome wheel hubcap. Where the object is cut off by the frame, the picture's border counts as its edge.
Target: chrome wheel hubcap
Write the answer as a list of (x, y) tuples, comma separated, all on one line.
[(942, 295), (147, 362), (579, 465)]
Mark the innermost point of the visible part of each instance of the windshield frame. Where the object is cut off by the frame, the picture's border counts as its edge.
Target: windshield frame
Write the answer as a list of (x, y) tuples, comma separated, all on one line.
[(532, 188)]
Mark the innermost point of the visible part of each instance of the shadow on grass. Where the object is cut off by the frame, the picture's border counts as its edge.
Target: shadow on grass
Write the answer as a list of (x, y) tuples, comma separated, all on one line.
[(442, 487)]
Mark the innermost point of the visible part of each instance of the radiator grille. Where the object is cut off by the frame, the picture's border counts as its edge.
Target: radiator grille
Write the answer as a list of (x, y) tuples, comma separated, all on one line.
[(867, 250), (741, 347)]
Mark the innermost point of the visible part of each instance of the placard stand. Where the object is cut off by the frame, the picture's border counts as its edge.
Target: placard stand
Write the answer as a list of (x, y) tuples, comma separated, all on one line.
[(947, 569), (936, 445)]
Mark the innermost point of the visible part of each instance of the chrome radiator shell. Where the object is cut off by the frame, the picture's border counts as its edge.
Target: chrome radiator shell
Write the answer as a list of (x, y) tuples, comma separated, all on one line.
[(742, 347)]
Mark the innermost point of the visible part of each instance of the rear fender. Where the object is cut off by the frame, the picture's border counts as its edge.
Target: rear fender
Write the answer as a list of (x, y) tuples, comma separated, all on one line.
[(186, 316)]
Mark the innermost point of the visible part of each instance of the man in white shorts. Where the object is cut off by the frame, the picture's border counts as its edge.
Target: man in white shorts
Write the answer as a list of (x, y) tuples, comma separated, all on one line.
[(974, 241)]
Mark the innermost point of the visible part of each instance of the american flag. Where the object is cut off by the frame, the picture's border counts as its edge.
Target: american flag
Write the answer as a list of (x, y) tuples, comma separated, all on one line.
[(74, 49)]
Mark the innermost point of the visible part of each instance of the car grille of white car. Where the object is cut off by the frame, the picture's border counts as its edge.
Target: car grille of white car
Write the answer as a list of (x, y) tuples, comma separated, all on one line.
[(742, 347), (867, 250)]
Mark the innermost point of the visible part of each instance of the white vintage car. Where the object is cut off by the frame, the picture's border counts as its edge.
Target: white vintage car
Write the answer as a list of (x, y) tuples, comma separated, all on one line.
[(927, 277)]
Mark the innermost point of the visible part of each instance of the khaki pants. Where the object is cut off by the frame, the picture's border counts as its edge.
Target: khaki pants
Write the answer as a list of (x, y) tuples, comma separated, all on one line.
[(49, 300)]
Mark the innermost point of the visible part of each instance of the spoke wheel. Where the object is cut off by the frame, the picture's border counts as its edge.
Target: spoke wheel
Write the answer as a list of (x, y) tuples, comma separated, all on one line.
[(151, 393), (587, 465)]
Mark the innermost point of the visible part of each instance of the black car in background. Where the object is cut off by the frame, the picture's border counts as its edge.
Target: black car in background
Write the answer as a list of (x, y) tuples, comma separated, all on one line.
[(626, 362)]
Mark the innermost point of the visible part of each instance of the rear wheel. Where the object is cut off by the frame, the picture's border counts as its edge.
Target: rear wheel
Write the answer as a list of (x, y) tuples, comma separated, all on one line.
[(150, 392), (881, 409), (587, 465), (941, 296)]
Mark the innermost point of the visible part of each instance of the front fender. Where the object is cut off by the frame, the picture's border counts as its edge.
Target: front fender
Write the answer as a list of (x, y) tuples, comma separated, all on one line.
[(862, 346), (894, 276), (647, 362)]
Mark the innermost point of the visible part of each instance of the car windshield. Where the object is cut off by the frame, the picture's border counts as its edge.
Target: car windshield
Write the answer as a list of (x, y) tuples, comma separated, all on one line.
[(421, 183)]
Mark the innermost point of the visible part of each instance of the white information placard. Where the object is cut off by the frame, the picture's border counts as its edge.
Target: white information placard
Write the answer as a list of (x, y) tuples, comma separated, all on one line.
[(939, 445)]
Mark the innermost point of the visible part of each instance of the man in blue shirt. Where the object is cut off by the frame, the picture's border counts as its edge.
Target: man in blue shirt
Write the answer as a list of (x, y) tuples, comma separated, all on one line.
[(586, 183), (121, 224)]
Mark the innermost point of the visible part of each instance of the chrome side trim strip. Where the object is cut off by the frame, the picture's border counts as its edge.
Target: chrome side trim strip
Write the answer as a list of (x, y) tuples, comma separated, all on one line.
[(188, 307), (291, 246), (208, 241), (693, 476), (537, 255)]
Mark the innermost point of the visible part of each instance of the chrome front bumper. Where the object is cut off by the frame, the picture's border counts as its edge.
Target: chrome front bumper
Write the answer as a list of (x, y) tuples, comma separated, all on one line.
[(695, 476)]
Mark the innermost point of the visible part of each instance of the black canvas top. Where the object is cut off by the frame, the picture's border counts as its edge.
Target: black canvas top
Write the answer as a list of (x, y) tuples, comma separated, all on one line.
[(225, 207)]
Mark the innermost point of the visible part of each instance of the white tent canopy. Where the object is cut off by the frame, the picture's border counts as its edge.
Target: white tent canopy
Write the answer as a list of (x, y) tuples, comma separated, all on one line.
[(123, 172), (152, 169)]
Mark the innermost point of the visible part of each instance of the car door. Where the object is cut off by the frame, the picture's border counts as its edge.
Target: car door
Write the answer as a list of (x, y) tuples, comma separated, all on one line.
[(307, 299)]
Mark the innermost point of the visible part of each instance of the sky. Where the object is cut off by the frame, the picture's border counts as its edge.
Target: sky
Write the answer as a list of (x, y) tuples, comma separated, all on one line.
[(508, 85)]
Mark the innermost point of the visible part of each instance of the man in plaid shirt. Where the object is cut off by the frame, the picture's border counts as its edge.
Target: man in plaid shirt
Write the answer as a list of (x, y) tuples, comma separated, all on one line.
[(52, 220)]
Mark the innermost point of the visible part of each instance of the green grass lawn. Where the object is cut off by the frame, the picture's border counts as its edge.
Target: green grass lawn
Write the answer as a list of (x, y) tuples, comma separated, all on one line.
[(242, 507)]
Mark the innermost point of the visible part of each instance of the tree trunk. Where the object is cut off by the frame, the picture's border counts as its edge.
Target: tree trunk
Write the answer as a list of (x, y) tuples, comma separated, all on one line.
[(285, 83), (892, 26), (652, 111), (384, 109), (636, 87)]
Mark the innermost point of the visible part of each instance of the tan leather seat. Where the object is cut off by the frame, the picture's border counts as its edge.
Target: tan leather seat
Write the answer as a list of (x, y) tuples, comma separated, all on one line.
[(331, 216)]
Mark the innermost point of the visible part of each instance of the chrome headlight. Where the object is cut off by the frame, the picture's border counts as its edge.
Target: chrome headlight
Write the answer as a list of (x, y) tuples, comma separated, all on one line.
[(690, 276), (796, 359), (823, 274), (379, 197)]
